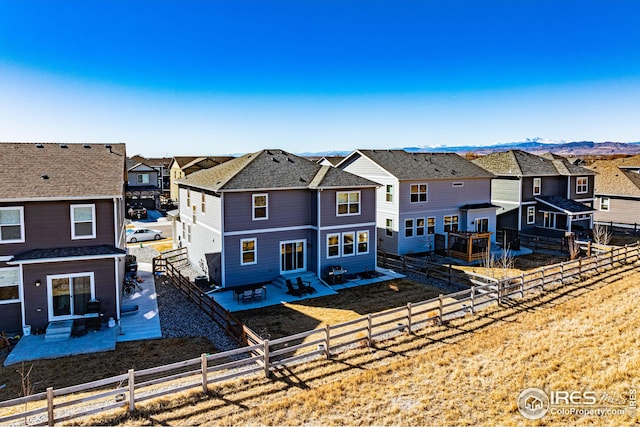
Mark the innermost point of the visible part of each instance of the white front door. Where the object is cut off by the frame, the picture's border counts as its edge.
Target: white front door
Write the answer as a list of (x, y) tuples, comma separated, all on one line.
[(69, 294), (293, 256)]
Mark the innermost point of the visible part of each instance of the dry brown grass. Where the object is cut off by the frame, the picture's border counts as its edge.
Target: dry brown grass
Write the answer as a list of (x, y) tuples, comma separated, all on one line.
[(577, 337)]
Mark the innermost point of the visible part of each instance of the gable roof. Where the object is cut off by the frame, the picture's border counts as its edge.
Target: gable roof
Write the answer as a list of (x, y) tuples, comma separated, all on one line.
[(414, 166), (614, 181), (521, 163), (138, 165), (61, 171), (272, 169), (185, 162)]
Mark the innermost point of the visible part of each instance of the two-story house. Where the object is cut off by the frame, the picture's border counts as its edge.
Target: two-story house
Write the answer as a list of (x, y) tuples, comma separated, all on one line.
[(271, 213), (422, 195), (182, 166), (162, 165), (540, 195), (62, 234), (142, 185)]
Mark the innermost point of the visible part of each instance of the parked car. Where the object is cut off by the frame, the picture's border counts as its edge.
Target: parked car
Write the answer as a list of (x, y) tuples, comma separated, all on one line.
[(137, 212), (141, 234)]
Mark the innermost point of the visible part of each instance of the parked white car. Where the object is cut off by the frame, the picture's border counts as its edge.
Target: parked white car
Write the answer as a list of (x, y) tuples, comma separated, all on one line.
[(141, 234)]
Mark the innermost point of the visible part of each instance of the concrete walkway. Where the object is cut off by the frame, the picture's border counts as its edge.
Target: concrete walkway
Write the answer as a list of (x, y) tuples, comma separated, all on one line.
[(143, 323)]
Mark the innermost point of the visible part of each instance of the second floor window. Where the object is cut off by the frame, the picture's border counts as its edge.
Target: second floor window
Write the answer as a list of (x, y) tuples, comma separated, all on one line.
[(83, 224), (389, 193), (188, 198), (537, 186), (582, 185), (11, 224), (260, 204), (348, 203), (451, 223), (143, 178), (203, 205), (604, 204), (419, 193)]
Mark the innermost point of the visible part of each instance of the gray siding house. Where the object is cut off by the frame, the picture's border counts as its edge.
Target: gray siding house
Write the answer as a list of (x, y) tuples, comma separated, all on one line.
[(617, 192), (424, 194), (142, 185), (271, 213), (540, 195), (62, 233)]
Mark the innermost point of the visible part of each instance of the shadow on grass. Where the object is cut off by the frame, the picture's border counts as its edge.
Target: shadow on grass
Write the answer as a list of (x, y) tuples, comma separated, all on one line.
[(249, 393)]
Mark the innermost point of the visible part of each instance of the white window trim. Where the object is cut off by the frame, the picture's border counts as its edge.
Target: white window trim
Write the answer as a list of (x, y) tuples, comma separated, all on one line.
[(388, 227), (12, 208), (531, 209), (417, 227), (608, 204), (477, 221), (67, 276), (255, 251), (339, 245), (457, 223), (426, 225), (533, 187), (353, 237), (358, 251), (412, 228), (586, 185), (389, 194), (73, 222), (12, 301), (139, 179), (253, 206), (426, 193), (203, 204), (348, 203)]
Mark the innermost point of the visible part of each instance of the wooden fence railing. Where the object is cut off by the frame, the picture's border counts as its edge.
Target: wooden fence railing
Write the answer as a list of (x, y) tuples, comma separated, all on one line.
[(264, 355)]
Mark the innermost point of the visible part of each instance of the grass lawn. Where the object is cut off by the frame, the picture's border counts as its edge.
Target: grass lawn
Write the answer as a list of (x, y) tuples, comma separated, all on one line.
[(308, 314)]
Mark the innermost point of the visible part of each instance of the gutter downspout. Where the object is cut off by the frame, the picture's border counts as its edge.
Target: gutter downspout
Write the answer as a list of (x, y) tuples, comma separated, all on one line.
[(116, 260), (520, 204), (223, 276), (319, 244)]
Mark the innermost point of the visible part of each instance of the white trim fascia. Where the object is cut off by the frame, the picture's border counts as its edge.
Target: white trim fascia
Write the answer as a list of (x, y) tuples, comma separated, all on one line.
[(62, 259), (223, 269), (346, 226), (528, 203), (6, 258), (370, 161), (59, 199), (584, 200), (269, 230)]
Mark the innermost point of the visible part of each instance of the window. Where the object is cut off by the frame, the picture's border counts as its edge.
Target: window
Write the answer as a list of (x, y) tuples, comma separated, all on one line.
[(348, 244), (184, 231), (482, 225), (260, 206), (420, 227), (333, 245), (582, 184), (450, 223), (83, 225), (12, 224), (9, 285), (143, 178), (189, 233), (389, 227), (389, 193), (188, 197), (604, 204), (348, 203), (248, 251), (193, 214), (537, 186), (408, 228), (531, 214), (431, 225), (363, 242), (418, 193), (203, 205)]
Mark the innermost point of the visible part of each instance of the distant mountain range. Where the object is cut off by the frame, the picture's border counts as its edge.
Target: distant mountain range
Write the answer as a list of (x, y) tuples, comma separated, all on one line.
[(534, 145)]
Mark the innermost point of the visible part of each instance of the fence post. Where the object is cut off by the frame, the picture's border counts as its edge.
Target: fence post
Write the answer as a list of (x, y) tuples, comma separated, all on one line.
[(562, 273), (473, 299), (265, 343), (369, 338), (327, 342), (542, 283), (409, 317), (522, 285), (579, 268), (203, 359), (132, 392), (50, 419), (440, 309)]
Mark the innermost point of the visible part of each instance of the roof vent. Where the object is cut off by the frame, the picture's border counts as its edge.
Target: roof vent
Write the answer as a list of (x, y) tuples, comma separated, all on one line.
[(63, 146), (86, 146), (275, 160), (39, 146), (44, 176), (289, 160), (269, 153), (302, 179)]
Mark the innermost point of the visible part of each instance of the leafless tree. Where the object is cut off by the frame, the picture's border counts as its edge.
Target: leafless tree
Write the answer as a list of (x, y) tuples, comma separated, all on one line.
[(574, 248), (601, 234)]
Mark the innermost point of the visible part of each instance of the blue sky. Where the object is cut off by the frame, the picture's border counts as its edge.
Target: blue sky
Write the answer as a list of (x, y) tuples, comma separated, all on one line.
[(219, 77)]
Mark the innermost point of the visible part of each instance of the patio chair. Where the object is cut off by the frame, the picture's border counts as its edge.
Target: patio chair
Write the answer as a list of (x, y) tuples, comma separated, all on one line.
[(258, 293), (293, 291), (247, 296), (305, 286)]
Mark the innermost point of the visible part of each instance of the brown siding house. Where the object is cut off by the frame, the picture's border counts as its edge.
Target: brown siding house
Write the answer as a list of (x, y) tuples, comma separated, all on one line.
[(62, 234)]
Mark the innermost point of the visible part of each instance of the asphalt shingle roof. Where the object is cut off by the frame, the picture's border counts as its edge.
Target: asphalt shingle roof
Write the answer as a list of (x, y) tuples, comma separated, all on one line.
[(413, 166), (48, 170), (613, 181), (80, 251), (267, 169), (521, 163), (565, 204)]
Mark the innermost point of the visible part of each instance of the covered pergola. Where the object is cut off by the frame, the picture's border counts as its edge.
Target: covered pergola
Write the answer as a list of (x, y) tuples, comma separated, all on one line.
[(468, 246)]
